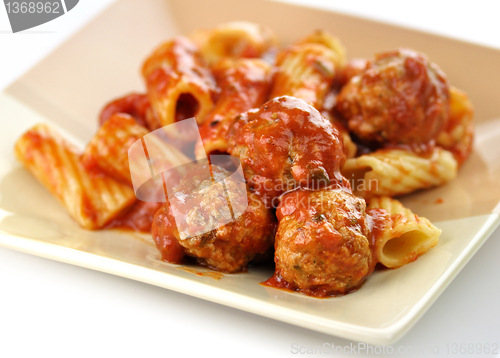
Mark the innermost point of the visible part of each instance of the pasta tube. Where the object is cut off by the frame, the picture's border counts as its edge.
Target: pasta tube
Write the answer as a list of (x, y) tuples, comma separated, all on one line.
[(122, 147), (238, 39), (326, 39), (108, 149), (179, 85), (402, 236), (92, 199), (305, 71), (394, 172)]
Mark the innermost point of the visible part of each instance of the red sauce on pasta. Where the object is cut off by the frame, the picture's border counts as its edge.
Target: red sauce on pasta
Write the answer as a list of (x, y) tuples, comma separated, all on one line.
[(133, 104), (376, 221)]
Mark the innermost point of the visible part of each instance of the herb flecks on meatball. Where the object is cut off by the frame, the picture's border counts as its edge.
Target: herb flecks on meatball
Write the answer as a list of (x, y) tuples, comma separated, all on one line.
[(322, 243)]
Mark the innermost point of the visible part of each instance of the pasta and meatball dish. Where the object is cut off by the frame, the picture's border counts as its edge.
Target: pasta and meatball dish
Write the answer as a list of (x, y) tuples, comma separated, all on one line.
[(325, 144)]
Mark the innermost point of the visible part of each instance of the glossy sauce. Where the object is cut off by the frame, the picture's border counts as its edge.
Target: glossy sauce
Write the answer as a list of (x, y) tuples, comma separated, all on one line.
[(164, 233), (178, 62), (134, 104), (244, 84)]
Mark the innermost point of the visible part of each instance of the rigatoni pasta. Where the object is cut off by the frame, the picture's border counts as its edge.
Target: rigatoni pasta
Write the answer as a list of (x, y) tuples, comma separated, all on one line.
[(108, 149), (305, 71), (233, 40), (394, 172), (324, 38), (179, 84), (402, 235), (92, 199)]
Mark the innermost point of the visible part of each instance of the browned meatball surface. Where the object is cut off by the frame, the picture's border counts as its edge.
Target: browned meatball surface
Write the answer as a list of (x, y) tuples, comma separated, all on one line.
[(322, 243), (200, 202), (285, 144), (400, 98)]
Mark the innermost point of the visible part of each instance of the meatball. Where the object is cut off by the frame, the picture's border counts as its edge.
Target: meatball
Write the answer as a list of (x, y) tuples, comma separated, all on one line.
[(400, 98), (285, 144), (222, 226), (322, 243)]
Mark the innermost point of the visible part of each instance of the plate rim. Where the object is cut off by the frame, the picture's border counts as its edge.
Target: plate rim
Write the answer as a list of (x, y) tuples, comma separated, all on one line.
[(378, 336)]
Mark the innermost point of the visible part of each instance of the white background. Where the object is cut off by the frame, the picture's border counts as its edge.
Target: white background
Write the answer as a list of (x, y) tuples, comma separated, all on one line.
[(50, 309)]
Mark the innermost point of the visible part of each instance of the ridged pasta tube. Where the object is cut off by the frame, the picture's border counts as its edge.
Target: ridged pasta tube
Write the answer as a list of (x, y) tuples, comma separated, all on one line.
[(92, 199), (394, 172), (402, 235)]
